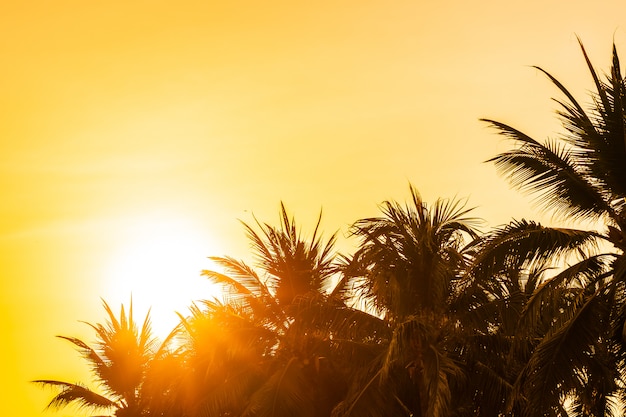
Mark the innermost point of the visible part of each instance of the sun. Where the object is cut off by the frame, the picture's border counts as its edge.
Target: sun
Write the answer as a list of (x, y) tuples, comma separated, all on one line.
[(158, 264)]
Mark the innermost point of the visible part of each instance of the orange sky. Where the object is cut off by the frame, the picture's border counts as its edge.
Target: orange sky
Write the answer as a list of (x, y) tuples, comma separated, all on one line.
[(136, 133)]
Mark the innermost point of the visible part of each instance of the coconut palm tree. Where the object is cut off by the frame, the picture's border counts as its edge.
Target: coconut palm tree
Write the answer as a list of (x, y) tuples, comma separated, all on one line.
[(408, 269), (120, 361), (580, 175), (294, 277)]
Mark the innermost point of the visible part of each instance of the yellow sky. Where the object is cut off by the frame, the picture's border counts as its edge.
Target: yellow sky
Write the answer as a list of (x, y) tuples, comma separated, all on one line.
[(135, 134)]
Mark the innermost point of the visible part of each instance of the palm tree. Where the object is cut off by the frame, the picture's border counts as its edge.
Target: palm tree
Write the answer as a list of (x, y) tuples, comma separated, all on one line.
[(295, 275), (496, 353), (408, 269), (223, 360), (580, 175), (120, 361)]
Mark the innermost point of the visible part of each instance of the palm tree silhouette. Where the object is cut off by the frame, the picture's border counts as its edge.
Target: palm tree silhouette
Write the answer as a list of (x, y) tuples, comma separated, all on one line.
[(295, 274), (497, 351), (580, 175), (120, 361), (409, 266)]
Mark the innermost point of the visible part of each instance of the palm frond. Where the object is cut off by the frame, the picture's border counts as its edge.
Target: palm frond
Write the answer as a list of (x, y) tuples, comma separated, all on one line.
[(583, 174), (547, 300), (564, 353), (491, 389), (288, 392), (76, 393), (244, 279), (96, 361), (370, 397), (293, 265), (409, 257), (552, 173), (524, 243)]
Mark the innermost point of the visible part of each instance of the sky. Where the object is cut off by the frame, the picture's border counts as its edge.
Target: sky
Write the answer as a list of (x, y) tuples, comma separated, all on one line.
[(137, 134)]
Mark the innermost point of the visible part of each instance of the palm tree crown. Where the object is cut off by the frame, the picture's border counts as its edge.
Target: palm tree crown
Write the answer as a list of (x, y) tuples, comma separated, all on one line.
[(410, 268), (120, 362), (411, 255), (294, 274), (580, 175)]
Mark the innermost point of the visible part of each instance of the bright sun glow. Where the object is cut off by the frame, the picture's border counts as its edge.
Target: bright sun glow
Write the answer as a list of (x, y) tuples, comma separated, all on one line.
[(159, 264)]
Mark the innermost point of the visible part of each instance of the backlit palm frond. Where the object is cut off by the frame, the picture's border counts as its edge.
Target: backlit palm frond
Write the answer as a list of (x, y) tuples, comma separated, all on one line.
[(553, 173), (610, 111), (475, 310), (410, 338), (607, 100), (167, 346), (492, 363), (356, 324), (243, 324), (450, 219), (121, 361), (204, 325), (410, 256), (247, 290), (293, 265), (585, 136), (124, 330), (343, 334), (76, 393), (126, 350), (547, 300), (288, 392), (523, 243), (348, 271), (242, 278), (577, 315), (588, 177), (324, 253), (160, 390), (565, 352), (98, 364)]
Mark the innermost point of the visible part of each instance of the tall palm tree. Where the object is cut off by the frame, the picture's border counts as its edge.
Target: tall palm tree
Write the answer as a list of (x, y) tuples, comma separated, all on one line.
[(580, 175), (294, 277), (408, 269), (120, 361), (291, 268)]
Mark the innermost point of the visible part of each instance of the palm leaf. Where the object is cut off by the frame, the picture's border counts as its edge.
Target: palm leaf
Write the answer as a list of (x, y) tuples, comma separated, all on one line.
[(586, 273), (244, 280), (553, 366), (552, 172), (370, 397), (287, 392), (76, 393), (523, 242)]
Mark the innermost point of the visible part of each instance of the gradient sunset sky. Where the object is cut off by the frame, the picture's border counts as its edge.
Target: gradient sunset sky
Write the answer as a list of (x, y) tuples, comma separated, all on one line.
[(135, 134)]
